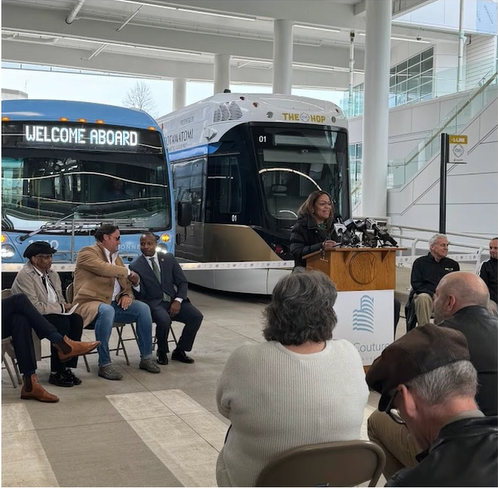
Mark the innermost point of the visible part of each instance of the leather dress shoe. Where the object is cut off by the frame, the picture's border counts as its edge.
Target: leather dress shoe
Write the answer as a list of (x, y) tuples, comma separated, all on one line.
[(77, 348), (181, 356), (37, 392), (68, 375), (162, 358), (60, 380)]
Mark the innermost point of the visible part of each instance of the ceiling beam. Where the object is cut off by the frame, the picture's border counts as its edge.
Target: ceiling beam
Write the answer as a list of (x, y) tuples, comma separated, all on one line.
[(52, 22), (53, 55)]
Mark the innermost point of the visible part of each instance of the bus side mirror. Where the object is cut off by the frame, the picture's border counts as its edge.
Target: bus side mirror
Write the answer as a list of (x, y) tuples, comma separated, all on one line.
[(184, 214)]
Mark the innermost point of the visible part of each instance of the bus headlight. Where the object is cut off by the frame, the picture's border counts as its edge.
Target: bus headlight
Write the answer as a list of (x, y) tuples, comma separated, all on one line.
[(161, 248), (8, 251)]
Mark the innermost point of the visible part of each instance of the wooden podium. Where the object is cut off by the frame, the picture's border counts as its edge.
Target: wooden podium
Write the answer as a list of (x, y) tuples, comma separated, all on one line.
[(356, 269)]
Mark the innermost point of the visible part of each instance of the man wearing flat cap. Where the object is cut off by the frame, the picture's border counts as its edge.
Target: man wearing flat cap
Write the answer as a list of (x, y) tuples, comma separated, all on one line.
[(43, 288), (426, 381)]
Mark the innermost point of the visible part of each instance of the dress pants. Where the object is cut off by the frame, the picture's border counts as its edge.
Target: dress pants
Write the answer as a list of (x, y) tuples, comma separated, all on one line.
[(19, 317), (70, 326), (188, 315)]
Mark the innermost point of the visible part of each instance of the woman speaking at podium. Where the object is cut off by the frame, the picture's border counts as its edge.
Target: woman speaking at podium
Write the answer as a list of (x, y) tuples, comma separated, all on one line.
[(314, 229)]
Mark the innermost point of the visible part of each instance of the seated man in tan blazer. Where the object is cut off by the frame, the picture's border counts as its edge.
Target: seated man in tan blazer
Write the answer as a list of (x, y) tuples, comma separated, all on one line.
[(102, 288), (43, 288)]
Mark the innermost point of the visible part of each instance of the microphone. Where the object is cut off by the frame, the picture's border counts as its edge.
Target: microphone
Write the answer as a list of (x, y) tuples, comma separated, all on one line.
[(383, 235)]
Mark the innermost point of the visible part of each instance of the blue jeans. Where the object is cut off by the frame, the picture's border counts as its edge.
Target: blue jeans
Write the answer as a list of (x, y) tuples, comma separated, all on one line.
[(138, 312)]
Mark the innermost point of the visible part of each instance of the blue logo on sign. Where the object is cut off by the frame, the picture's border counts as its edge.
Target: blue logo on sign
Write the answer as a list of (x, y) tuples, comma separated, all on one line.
[(363, 318)]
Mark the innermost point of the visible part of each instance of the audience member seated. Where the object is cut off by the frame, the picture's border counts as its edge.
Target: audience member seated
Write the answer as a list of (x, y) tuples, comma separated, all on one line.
[(103, 290), (427, 383), (19, 318), (164, 287), (459, 303), (427, 271), (488, 271), (297, 388), (43, 288)]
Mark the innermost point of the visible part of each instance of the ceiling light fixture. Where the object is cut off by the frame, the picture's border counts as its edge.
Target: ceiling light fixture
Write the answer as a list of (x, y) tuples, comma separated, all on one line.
[(216, 14), (326, 29)]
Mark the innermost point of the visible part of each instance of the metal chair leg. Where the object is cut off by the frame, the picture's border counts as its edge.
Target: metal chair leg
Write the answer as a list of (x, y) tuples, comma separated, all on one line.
[(86, 363), (9, 370)]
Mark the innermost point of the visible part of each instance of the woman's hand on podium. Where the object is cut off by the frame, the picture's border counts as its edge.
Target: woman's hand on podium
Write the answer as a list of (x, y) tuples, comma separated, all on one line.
[(328, 245)]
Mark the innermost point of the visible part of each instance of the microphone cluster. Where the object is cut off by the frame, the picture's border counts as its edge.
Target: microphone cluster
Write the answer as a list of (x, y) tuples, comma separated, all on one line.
[(366, 233)]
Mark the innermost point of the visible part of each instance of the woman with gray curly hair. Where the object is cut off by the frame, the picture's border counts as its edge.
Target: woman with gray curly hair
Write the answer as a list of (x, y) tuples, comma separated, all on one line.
[(299, 387)]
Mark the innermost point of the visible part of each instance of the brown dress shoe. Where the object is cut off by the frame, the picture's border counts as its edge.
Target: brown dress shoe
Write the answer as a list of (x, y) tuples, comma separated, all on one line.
[(77, 348), (37, 392)]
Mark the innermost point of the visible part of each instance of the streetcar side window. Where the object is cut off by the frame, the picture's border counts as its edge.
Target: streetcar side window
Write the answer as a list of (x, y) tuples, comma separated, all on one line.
[(224, 185)]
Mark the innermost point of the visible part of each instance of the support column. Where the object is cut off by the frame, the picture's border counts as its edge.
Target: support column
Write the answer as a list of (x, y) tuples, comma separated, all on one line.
[(221, 72), (351, 74), (376, 107), (282, 56), (179, 93), (461, 47)]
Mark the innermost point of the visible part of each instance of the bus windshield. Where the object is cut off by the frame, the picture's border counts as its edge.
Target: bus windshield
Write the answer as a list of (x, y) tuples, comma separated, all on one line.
[(44, 188), (294, 161)]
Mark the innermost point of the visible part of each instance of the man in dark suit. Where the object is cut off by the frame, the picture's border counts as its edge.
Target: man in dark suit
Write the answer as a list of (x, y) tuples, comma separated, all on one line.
[(163, 287)]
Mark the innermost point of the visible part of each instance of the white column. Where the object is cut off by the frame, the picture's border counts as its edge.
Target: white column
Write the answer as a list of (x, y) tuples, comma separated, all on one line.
[(376, 107), (221, 72), (461, 47), (179, 93), (282, 56)]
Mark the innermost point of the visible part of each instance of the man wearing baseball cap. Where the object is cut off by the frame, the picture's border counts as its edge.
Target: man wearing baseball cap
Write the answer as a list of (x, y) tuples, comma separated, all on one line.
[(426, 381)]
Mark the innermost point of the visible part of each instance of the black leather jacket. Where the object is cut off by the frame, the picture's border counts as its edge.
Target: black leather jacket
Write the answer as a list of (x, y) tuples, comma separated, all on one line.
[(465, 454), (481, 330), (306, 238)]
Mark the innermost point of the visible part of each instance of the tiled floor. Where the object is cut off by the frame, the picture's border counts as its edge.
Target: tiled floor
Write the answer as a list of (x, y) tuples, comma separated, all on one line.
[(146, 430)]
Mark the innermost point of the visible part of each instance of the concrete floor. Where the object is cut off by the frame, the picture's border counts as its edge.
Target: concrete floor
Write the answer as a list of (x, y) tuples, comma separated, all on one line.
[(146, 430)]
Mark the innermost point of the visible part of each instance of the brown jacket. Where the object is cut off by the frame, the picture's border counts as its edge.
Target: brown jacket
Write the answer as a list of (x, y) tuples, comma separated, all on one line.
[(94, 281)]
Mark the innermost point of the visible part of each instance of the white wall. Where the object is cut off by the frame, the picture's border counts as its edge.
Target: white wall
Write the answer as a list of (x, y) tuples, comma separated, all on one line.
[(472, 189)]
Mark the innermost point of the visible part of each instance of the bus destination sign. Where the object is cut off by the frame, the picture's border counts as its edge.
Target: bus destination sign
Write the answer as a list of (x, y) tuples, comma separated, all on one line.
[(79, 136)]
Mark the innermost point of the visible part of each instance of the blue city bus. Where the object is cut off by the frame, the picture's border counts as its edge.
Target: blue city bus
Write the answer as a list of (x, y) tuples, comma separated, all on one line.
[(68, 167)]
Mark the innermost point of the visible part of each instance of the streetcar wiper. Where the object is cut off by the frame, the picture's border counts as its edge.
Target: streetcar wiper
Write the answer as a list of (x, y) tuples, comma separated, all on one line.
[(47, 225)]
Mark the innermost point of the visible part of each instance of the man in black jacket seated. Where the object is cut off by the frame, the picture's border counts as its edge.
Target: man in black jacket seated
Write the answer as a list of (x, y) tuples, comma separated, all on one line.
[(163, 286), (488, 271), (460, 303), (427, 271), (428, 383)]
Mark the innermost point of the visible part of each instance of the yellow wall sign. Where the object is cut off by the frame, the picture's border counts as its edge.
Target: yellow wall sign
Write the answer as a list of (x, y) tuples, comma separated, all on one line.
[(458, 148)]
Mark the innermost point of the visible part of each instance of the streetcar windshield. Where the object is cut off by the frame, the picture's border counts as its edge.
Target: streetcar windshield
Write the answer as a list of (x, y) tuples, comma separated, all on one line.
[(295, 161), (44, 187)]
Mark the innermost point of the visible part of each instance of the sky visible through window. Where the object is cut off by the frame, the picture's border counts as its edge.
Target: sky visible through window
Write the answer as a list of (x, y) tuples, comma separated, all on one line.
[(112, 89)]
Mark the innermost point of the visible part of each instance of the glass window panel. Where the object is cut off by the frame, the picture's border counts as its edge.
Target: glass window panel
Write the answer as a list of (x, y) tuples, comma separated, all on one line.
[(427, 54), (427, 65), (402, 66), (413, 61)]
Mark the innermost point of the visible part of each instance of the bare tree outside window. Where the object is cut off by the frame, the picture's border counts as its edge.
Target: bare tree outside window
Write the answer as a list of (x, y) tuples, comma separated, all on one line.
[(140, 97)]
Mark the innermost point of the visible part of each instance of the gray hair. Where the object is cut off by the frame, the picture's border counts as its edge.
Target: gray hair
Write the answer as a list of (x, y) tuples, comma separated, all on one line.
[(456, 379), (301, 309), (436, 237)]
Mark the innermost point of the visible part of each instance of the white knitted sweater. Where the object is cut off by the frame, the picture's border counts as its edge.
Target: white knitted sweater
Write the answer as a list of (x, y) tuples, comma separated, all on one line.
[(277, 399)]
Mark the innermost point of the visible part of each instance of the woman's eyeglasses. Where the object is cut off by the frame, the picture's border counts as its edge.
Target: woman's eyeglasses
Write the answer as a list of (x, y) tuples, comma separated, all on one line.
[(393, 412)]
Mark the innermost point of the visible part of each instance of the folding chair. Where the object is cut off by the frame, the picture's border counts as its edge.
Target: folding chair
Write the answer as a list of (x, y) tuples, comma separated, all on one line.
[(171, 337), (335, 464), (119, 329), (8, 350)]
